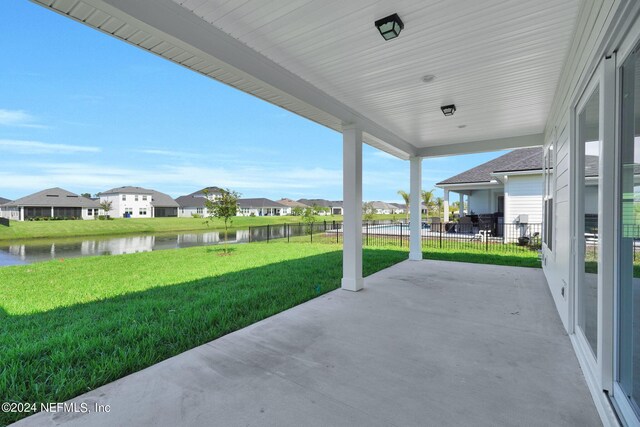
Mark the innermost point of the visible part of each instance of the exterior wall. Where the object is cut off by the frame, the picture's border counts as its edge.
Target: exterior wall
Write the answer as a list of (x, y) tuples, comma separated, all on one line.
[(259, 212), (481, 201), (91, 213), (188, 212), (523, 195), (119, 206), (11, 213)]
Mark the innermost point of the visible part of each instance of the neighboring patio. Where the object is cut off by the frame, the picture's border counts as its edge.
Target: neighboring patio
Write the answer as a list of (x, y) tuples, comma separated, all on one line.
[(425, 343)]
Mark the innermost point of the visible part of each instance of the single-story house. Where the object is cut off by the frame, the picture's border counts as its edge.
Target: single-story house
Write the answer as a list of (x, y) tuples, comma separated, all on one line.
[(384, 208), (193, 204), (508, 187), (290, 204), (2, 202), (51, 203), (400, 207), (335, 206), (138, 202), (260, 207)]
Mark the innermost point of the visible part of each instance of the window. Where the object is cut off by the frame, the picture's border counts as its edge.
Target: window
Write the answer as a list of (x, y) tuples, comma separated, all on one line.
[(143, 212), (128, 211), (199, 211), (549, 187), (89, 212), (124, 197), (135, 198), (144, 198)]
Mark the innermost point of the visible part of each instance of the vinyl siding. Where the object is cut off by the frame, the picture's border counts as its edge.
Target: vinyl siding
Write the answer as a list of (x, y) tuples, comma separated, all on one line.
[(523, 195)]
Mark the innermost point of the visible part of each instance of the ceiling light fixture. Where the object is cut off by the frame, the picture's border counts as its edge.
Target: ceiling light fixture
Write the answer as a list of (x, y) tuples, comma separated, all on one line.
[(428, 78), (448, 110), (462, 126), (390, 26)]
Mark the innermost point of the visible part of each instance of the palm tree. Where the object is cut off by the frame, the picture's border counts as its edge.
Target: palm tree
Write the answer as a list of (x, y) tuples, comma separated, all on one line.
[(427, 199), (405, 196), (440, 205)]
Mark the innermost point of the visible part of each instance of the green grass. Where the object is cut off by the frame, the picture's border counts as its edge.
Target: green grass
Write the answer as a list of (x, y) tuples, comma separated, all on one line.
[(53, 229), (67, 327)]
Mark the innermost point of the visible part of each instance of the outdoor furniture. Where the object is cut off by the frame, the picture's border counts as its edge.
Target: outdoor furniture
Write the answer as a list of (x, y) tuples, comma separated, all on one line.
[(465, 225)]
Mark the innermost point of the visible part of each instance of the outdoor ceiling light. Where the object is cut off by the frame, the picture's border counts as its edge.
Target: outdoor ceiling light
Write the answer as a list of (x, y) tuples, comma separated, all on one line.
[(390, 26), (448, 110)]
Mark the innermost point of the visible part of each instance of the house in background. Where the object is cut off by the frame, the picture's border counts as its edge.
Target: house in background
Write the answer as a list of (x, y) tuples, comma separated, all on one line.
[(384, 208), (2, 202), (138, 202), (508, 189), (51, 203), (290, 204), (260, 207), (163, 205), (193, 204), (335, 207)]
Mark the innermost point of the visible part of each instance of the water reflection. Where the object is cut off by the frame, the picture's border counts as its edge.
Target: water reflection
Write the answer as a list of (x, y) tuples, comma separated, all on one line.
[(13, 253)]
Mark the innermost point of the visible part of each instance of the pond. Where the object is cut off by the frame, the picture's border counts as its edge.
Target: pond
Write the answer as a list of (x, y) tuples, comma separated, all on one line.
[(28, 251)]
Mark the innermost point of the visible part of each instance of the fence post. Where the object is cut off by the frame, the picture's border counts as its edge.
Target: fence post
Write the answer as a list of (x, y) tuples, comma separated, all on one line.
[(400, 234), (311, 232), (287, 230), (249, 234), (440, 227), (268, 233), (325, 225), (337, 233), (367, 234), (486, 239)]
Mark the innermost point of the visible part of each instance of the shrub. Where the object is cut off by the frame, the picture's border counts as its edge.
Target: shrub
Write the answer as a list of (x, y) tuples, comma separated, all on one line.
[(195, 215)]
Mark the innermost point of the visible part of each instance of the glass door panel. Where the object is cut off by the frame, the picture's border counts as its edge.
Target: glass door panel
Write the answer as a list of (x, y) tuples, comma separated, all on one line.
[(629, 236), (588, 201)]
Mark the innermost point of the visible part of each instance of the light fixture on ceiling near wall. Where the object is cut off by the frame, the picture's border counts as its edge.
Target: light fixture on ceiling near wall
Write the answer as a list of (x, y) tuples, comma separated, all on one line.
[(428, 78), (390, 26), (448, 110)]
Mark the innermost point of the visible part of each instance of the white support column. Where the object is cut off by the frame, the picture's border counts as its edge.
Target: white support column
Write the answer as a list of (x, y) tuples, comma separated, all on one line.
[(446, 206), (352, 193), (415, 239), (21, 215), (461, 211)]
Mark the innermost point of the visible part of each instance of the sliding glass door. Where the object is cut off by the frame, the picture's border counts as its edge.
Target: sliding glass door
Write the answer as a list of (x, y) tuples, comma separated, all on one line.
[(627, 393), (587, 205)]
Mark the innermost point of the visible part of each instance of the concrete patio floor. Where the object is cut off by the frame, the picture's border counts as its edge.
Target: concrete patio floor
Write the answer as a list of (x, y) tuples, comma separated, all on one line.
[(425, 343)]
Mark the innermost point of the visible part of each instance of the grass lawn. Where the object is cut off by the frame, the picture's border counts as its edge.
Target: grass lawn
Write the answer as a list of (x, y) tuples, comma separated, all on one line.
[(47, 229), (67, 327)]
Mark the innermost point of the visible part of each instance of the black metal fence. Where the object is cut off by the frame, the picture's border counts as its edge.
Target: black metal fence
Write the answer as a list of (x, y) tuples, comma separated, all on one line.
[(467, 236), (4, 222)]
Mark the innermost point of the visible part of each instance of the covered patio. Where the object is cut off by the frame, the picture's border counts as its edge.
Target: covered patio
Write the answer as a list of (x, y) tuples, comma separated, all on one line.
[(422, 344)]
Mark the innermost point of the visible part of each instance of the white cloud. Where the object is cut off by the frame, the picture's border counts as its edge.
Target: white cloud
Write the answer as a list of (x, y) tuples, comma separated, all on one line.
[(175, 180), (37, 147), (18, 118)]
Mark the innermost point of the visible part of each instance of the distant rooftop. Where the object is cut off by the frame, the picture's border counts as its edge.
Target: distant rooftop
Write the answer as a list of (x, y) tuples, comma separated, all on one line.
[(524, 159), (128, 190), (56, 197), (3, 200), (292, 203), (259, 202), (322, 203)]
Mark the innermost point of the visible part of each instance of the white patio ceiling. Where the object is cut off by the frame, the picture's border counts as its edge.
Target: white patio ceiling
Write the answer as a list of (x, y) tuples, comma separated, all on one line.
[(498, 61)]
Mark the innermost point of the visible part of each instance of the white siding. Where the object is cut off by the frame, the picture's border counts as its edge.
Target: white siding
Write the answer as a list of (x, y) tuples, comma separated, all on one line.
[(587, 48), (523, 195)]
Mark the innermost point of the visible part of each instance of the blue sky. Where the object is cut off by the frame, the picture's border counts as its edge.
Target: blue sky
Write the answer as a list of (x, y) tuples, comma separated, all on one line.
[(86, 112)]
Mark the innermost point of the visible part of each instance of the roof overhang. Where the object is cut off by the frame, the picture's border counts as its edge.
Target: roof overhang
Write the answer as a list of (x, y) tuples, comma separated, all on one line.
[(507, 77), (471, 186)]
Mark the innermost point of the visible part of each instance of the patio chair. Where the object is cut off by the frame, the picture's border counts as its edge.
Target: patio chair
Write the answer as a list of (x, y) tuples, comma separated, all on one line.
[(465, 225)]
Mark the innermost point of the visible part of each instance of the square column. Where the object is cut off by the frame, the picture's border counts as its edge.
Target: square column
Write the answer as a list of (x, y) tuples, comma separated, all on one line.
[(352, 221), (415, 211), (461, 214), (446, 206)]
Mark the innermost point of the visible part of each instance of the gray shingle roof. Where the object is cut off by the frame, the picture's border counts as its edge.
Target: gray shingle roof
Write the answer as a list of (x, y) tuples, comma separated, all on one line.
[(3, 200), (321, 202), (128, 190), (383, 205), (161, 200), (56, 197), (291, 203), (210, 190), (524, 159), (190, 202), (259, 202)]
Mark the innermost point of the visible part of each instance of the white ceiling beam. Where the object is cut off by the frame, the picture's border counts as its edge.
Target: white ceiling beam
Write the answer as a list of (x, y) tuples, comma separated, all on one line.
[(484, 146), (169, 21)]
